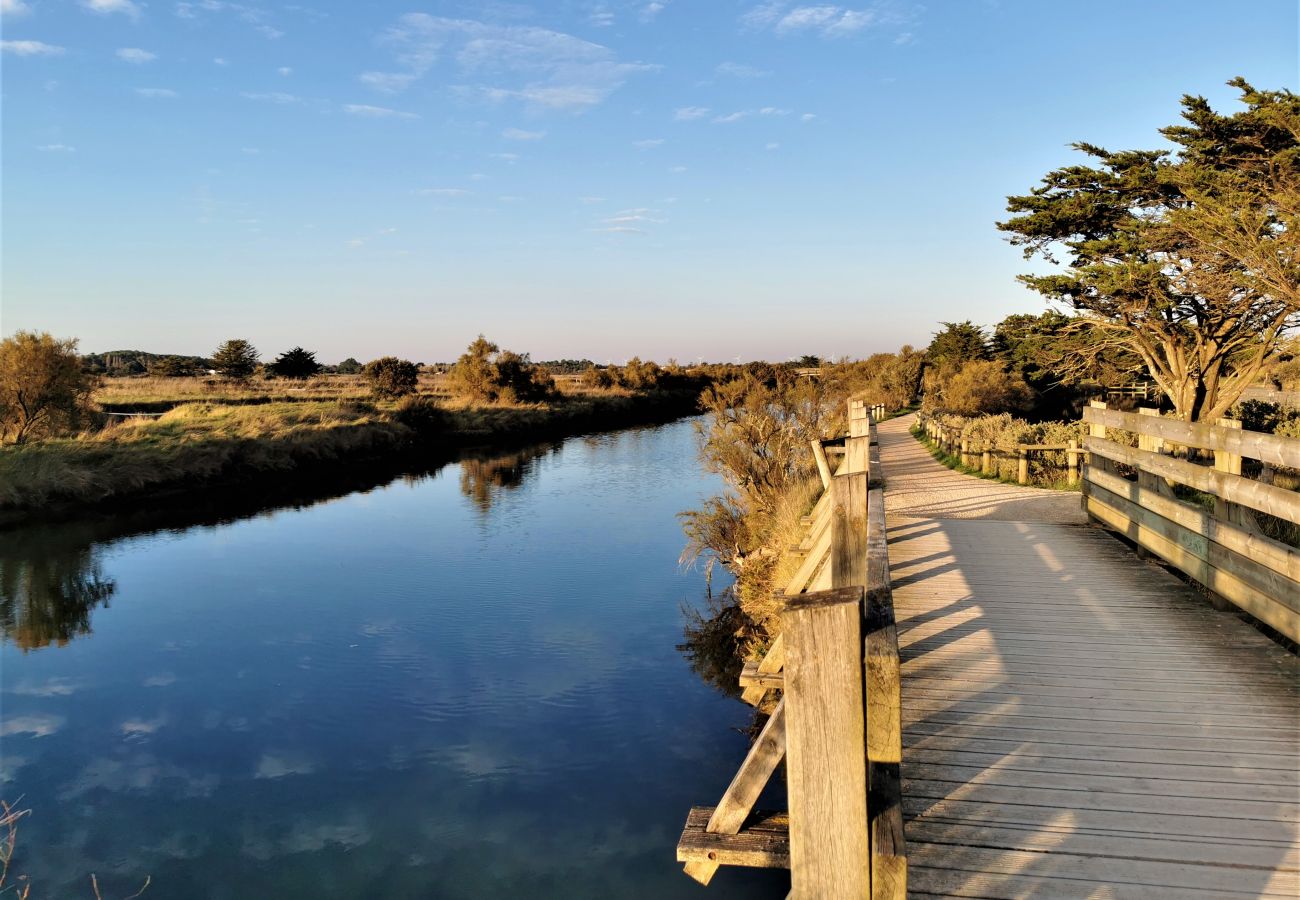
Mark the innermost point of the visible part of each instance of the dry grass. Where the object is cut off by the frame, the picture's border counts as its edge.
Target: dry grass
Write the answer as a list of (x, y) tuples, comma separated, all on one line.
[(215, 440)]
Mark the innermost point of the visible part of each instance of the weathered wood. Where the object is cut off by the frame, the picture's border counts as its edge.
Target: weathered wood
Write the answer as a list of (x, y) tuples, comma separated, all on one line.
[(763, 841), (750, 676), (1072, 460), (1022, 474), (826, 770), (738, 802), (1263, 550), (848, 546), (1266, 595), (1266, 498), (1270, 448), (770, 664), (823, 467)]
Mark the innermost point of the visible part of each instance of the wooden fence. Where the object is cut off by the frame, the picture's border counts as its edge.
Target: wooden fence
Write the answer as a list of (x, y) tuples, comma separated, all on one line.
[(837, 723), (982, 456), (1218, 543)]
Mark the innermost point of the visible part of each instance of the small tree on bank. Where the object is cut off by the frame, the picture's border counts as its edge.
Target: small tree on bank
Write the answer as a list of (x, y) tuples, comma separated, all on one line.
[(389, 376), (43, 390), (1190, 262), (235, 359), (295, 363), (488, 373), (349, 366)]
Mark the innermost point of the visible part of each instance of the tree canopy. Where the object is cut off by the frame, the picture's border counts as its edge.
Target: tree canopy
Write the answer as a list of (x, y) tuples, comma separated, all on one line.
[(1187, 261), (295, 363), (43, 390), (236, 358)]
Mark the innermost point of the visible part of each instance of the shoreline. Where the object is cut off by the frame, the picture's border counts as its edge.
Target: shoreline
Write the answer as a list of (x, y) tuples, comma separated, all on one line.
[(68, 479)]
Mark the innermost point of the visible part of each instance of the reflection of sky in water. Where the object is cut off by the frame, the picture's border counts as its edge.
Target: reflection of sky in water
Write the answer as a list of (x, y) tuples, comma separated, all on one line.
[(456, 686)]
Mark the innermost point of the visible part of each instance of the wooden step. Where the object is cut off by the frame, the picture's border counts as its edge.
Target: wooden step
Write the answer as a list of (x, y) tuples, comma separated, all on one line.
[(763, 841), (751, 677)]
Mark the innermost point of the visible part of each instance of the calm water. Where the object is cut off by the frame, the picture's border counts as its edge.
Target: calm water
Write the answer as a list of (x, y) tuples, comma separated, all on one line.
[(463, 684)]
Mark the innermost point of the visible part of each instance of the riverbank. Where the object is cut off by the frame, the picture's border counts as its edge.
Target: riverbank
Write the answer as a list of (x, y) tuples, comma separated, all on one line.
[(204, 446)]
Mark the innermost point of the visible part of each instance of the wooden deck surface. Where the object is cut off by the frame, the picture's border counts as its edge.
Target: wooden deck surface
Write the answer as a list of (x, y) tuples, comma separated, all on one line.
[(1077, 722)]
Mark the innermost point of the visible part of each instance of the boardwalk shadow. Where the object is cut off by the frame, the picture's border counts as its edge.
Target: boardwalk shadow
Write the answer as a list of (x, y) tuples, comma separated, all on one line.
[(1073, 723)]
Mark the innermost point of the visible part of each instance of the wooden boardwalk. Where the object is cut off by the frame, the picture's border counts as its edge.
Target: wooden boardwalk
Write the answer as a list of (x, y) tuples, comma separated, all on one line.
[(1077, 723)]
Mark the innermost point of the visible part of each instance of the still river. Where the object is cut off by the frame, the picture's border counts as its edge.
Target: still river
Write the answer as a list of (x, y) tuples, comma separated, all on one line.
[(464, 683)]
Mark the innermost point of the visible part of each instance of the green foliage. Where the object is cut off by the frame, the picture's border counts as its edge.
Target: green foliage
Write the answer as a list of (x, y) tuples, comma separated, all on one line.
[(956, 344), (295, 363), (486, 373), (43, 389), (235, 359), (422, 415), (173, 366), (1188, 261), (138, 362), (982, 387), (349, 366), (389, 376), (1270, 418)]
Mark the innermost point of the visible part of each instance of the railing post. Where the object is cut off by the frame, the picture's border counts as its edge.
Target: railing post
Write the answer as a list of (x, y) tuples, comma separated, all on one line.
[(965, 451), (1072, 460), (826, 768), (1022, 475)]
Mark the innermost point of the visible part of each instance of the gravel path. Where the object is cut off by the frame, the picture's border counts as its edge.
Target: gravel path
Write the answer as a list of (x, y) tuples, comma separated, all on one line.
[(918, 486)]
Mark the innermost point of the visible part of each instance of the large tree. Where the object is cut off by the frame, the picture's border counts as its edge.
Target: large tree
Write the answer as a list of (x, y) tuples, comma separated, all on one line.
[(236, 359), (295, 363), (1187, 260)]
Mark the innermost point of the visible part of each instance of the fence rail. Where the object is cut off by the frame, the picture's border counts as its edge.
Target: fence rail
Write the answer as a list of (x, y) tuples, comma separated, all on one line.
[(837, 723), (1219, 544), (975, 455)]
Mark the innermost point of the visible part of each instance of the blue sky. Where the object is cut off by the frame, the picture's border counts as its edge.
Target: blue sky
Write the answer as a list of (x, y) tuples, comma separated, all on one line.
[(596, 178)]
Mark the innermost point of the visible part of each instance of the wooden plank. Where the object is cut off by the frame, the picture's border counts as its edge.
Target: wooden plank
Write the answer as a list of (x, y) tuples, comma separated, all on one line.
[(1265, 498), (849, 529), (750, 676), (1264, 550), (763, 842), (771, 663), (823, 467), (826, 769), (1270, 448), (816, 555), (1148, 530), (738, 801)]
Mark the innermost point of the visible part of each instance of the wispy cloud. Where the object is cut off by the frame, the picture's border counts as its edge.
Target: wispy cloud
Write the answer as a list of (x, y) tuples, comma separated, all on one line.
[(135, 55), (219, 61), (651, 11), (157, 93), (784, 18), (507, 157), (443, 192), (30, 48), (807, 117), (620, 229), (543, 68), (270, 97), (376, 112), (746, 113), (107, 7), (14, 8), (691, 113), (519, 134), (601, 17), (739, 70), (387, 82), (253, 16), (648, 144), (56, 148), (284, 71)]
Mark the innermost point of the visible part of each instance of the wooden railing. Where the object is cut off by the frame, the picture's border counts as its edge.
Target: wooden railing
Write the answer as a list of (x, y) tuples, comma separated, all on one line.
[(1222, 547), (837, 723), (975, 455)]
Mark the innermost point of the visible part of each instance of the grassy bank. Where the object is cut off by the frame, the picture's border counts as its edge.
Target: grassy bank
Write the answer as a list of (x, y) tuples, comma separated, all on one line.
[(953, 461), (201, 445)]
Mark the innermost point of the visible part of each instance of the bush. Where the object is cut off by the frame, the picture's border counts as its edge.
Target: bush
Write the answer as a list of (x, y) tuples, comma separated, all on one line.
[(43, 390), (983, 387), (485, 372), (389, 376), (295, 363)]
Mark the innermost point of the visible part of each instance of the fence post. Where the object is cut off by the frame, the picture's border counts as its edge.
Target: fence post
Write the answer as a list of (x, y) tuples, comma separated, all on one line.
[(1022, 474), (1231, 463), (986, 460), (965, 450), (1072, 460), (826, 768)]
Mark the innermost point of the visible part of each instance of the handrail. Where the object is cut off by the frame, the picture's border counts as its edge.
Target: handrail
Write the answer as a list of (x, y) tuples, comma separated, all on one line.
[(838, 720), (1223, 547)]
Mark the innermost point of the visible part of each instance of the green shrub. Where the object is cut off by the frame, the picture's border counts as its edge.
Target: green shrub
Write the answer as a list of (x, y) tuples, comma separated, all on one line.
[(389, 376)]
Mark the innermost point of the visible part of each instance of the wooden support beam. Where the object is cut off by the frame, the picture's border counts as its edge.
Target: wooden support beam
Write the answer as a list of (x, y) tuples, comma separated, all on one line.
[(826, 770), (763, 841), (750, 676), (770, 664), (738, 802), (1270, 448), (823, 467), (849, 529)]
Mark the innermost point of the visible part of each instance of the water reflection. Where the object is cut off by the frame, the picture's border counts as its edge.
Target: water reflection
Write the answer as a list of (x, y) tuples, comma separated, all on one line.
[(48, 590), (484, 478), (713, 638)]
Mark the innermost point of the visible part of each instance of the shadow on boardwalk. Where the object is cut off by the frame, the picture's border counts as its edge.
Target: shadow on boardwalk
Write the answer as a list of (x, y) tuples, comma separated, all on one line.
[(1077, 723)]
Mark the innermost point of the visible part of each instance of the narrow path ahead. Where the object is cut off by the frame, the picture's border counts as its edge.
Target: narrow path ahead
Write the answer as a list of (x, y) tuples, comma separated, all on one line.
[(1078, 723)]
